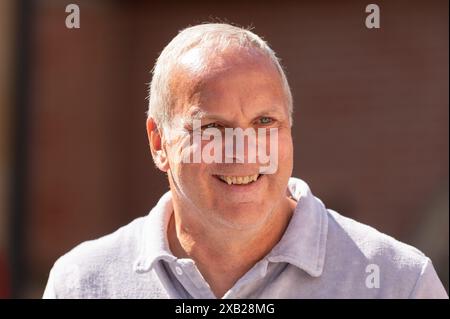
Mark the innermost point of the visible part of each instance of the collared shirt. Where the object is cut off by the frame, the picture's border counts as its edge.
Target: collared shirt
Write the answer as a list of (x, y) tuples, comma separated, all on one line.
[(322, 254)]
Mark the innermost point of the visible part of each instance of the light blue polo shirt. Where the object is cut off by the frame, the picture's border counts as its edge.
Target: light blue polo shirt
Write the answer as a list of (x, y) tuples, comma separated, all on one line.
[(322, 254)]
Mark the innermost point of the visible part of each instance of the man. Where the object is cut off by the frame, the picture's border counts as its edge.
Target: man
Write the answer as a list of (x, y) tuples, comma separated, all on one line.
[(231, 226)]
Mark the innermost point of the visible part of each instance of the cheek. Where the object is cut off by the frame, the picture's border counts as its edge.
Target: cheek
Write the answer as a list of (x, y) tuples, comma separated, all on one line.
[(193, 176), (187, 168), (179, 154)]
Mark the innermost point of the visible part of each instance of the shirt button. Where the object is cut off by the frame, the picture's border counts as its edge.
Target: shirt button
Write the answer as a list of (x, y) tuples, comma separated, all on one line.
[(178, 270)]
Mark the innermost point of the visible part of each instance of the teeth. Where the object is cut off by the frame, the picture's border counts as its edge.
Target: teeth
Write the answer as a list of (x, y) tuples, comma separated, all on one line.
[(239, 179)]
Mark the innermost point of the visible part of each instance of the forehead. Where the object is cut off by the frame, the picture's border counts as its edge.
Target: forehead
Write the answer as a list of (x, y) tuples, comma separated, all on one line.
[(209, 80), (203, 63)]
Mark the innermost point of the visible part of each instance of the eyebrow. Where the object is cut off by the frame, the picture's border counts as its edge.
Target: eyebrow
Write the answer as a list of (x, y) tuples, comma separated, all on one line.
[(198, 114), (272, 111)]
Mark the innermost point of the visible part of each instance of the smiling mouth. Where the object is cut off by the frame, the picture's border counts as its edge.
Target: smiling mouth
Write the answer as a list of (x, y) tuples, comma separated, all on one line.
[(238, 180)]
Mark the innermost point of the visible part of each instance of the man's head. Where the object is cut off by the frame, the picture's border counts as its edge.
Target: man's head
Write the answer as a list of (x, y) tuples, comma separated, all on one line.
[(223, 77)]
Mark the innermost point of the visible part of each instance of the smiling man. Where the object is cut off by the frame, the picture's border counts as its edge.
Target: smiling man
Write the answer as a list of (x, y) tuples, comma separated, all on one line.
[(230, 227)]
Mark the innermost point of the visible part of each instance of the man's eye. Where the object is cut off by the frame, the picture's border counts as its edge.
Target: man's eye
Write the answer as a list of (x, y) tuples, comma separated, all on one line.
[(265, 120), (210, 125)]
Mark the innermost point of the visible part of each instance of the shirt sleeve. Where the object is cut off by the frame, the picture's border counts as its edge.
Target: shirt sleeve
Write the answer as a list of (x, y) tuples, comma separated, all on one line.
[(428, 285), (49, 292)]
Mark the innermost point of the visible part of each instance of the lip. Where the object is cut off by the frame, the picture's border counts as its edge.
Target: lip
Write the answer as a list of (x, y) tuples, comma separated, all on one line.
[(240, 188)]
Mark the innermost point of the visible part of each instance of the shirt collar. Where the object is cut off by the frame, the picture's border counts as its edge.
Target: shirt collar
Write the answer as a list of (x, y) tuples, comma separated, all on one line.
[(304, 241), (154, 243), (302, 245)]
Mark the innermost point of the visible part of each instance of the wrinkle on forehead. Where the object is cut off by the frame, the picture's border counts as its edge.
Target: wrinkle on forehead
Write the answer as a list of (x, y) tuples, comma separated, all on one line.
[(204, 62), (198, 65)]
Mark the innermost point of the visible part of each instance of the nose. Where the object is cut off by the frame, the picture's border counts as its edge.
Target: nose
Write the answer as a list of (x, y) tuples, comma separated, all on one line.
[(240, 148)]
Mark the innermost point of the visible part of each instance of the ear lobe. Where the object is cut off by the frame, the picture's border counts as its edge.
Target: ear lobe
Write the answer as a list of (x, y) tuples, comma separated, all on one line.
[(156, 145)]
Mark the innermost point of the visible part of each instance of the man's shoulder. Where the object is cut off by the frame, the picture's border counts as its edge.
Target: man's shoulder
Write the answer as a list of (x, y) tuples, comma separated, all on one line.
[(366, 253), (362, 262), (122, 241), (372, 259), (372, 244), (84, 267)]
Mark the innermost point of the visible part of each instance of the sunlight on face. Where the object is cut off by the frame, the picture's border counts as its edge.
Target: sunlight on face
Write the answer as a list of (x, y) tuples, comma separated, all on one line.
[(240, 91)]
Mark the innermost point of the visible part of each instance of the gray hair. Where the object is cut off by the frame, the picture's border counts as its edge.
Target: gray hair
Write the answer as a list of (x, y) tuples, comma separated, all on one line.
[(218, 36)]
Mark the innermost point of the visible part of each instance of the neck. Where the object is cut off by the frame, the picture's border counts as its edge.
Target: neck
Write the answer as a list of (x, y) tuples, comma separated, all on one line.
[(224, 255)]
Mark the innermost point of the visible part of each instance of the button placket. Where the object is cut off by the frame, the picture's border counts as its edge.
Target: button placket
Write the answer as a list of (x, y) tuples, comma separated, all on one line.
[(178, 270), (192, 279)]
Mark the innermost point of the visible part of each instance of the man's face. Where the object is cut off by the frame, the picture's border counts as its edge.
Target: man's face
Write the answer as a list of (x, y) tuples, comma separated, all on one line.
[(237, 91)]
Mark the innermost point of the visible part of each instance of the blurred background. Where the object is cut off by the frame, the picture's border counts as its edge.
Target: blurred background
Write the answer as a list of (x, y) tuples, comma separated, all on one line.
[(370, 123)]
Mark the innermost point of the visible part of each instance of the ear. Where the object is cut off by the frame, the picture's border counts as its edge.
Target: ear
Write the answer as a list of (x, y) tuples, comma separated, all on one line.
[(156, 145)]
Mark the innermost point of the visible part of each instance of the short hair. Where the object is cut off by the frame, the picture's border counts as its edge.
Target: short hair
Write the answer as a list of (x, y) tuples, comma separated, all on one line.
[(219, 36)]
